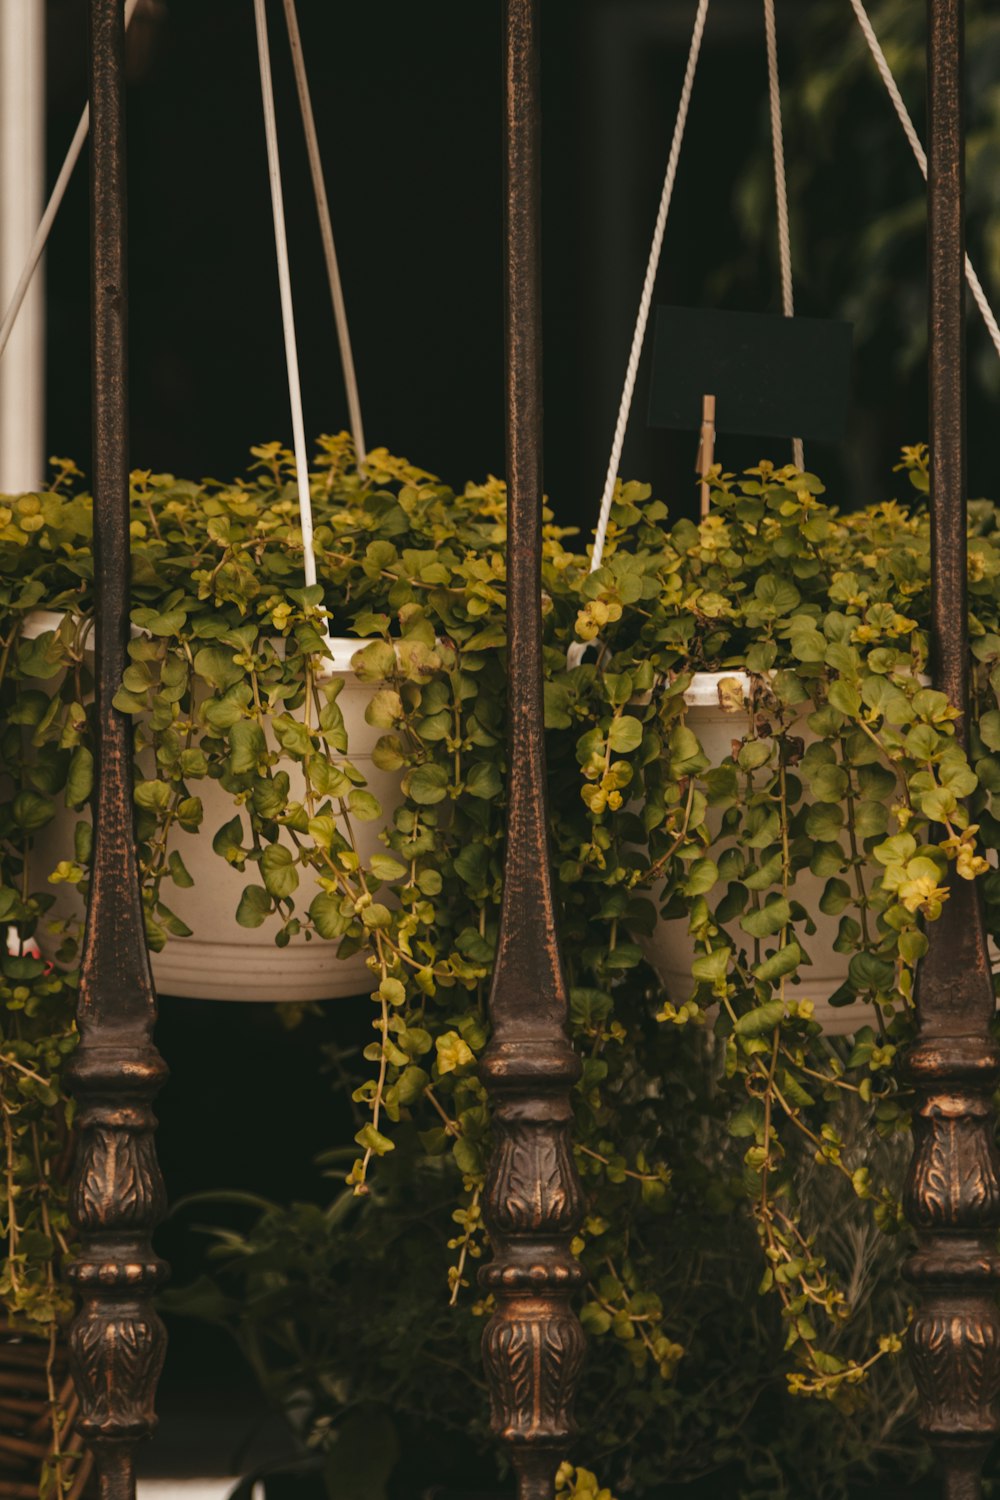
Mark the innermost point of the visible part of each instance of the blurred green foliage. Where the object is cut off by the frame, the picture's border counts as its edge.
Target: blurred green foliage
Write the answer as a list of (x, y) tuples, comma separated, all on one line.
[(858, 211)]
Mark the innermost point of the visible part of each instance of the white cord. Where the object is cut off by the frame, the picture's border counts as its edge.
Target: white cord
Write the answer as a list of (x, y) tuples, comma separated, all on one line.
[(916, 147), (49, 216), (645, 301), (575, 654), (780, 186), (285, 288), (778, 150), (326, 231)]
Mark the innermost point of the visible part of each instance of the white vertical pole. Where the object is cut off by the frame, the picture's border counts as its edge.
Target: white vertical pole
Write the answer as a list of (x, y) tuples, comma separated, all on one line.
[(22, 188)]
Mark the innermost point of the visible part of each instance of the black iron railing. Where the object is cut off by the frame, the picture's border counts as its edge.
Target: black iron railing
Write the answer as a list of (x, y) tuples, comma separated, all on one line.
[(953, 1191), (117, 1342), (533, 1346)]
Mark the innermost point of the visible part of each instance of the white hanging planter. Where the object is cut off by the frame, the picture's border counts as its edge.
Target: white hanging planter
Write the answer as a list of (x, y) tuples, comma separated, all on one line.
[(670, 949), (222, 960)]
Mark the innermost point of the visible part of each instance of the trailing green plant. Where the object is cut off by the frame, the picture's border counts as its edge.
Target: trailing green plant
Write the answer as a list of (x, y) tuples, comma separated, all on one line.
[(341, 1312), (844, 765)]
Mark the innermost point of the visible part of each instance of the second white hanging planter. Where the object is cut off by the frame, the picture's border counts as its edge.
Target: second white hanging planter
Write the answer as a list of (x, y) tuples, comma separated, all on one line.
[(670, 949)]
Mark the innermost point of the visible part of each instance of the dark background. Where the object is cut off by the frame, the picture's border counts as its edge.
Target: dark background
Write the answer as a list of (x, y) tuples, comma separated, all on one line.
[(407, 98)]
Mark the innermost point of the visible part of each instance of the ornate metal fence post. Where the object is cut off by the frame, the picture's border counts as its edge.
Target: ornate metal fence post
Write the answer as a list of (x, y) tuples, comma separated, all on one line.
[(953, 1190), (533, 1346), (117, 1341)]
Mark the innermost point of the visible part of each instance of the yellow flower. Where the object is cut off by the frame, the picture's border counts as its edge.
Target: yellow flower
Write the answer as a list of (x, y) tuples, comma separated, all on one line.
[(922, 893), (970, 864), (452, 1052), (590, 619)]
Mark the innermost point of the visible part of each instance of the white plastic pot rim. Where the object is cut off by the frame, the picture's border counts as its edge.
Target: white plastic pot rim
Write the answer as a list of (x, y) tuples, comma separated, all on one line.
[(703, 689), (342, 648)]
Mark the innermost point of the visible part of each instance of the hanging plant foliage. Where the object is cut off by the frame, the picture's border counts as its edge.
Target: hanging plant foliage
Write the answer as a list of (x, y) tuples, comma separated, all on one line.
[(840, 795)]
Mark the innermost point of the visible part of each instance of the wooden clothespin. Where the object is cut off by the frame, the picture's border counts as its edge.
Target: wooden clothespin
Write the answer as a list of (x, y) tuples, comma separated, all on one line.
[(706, 448)]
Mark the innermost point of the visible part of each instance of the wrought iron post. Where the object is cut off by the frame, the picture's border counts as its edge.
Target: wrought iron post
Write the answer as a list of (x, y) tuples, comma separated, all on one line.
[(533, 1346), (953, 1190), (117, 1341)]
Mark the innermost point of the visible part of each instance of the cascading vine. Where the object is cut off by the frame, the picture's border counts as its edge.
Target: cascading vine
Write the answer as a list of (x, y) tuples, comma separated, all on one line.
[(835, 790)]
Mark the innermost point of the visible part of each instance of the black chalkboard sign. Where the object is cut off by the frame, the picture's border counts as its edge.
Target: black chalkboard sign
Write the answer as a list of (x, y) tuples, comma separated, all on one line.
[(770, 376)]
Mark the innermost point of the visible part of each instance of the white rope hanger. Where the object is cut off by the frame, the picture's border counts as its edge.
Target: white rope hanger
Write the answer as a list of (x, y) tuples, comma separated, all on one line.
[(780, 186), (576, 651), (578, 648), (916, 146), (48, 218), (284, 266), (281, 245), (285, 291), (326, 230), (646, 299)]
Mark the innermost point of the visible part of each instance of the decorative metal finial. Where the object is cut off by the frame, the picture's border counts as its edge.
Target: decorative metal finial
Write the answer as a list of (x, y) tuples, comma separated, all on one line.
[(116, 1342), (533, 1346), (953, 1191)]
